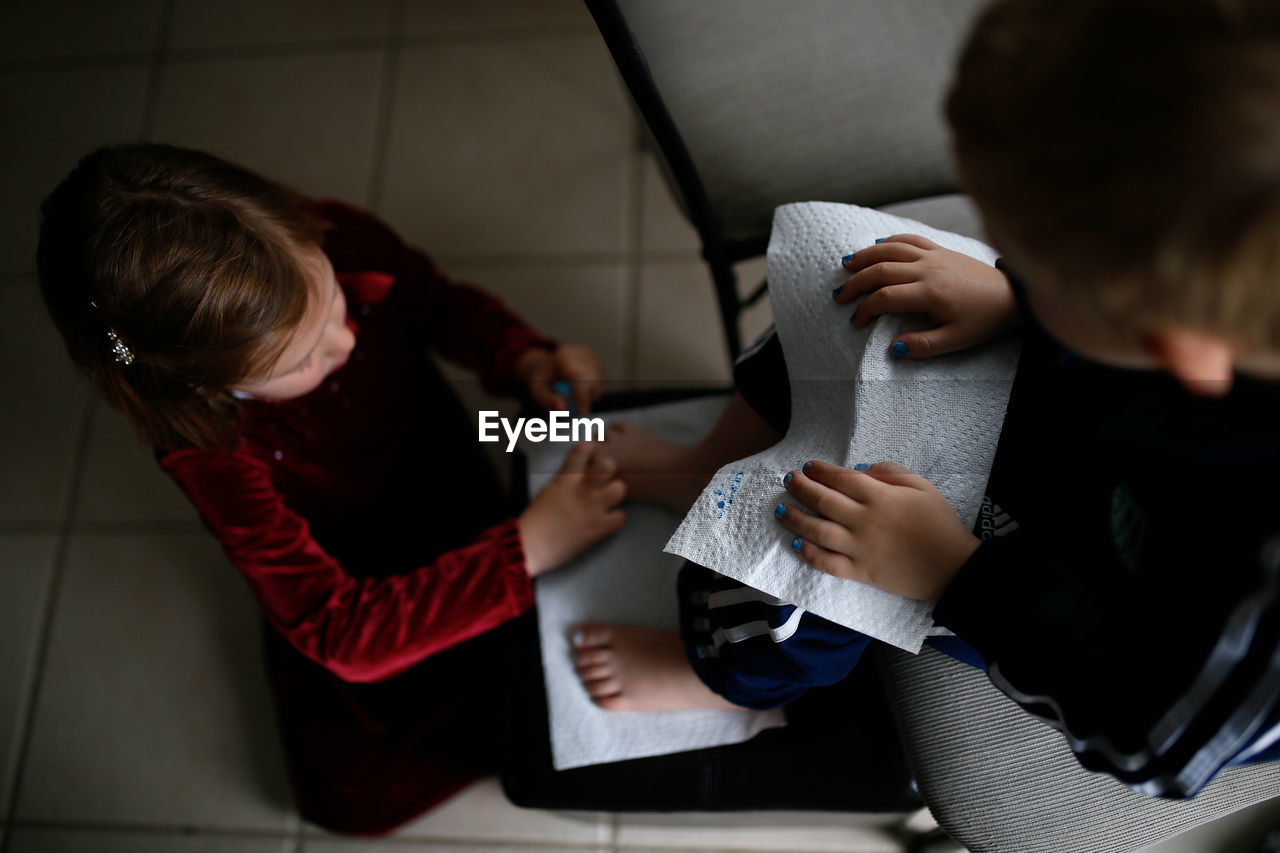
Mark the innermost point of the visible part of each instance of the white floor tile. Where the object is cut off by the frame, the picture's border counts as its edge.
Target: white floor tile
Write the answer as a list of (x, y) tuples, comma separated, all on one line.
[(88, 841), (24, 576), (797, 832), (573, 304), (36, 29), (308, 121), (680, 337), (664, 226), (57, 117), (121, 480), (153, 706), (449, 17), (519, 146), (482, 813), (41, 423), (237, 23)]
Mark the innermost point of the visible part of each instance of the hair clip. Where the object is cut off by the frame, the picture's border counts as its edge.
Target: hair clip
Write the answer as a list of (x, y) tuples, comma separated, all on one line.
[(123, 354)]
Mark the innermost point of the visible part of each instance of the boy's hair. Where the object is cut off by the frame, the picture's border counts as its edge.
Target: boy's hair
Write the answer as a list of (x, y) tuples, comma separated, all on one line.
[(189, 262), (1129, 152)]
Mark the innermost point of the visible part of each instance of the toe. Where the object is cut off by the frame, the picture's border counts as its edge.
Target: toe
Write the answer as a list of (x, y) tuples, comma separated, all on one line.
[(592, 636), (603, 688), (594, 672), (588, 656)]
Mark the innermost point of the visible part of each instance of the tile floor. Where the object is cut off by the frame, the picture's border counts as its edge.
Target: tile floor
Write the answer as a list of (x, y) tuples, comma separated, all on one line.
[(134, 715)]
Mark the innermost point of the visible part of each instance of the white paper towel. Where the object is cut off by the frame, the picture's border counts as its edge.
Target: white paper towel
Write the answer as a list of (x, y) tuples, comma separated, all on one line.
[(851, 402), (626, 579)]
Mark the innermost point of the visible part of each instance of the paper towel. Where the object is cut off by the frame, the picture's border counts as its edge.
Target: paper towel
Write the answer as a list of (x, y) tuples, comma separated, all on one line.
[(851, 402), (625, 579)]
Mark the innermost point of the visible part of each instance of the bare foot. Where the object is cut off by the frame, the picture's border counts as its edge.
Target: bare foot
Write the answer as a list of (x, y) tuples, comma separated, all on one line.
[(628, 668), (654, 469)]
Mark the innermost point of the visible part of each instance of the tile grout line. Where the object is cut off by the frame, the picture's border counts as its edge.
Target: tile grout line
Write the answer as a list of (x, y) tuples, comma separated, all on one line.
[(634, 255), (384, 112), (158, 56), (278, 50), (26, 722)]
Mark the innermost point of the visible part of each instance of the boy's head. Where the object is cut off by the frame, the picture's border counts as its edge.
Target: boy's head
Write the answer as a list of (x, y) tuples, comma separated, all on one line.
[(173, 276), (1125, 155)]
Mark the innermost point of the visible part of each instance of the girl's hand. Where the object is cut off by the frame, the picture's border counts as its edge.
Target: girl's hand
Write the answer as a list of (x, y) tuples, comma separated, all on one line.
[(576, 510), (578, 365), (886, 527), (969, 301)]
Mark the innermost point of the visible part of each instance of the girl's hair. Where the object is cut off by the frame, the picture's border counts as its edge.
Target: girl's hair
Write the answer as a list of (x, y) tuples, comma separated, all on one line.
[(173, 275), (1130, 150)]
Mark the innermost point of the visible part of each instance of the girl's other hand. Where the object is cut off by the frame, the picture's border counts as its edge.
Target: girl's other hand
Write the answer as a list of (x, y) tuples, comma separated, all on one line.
[(884, 526), (541, 369), (576, 510), (969, 301)]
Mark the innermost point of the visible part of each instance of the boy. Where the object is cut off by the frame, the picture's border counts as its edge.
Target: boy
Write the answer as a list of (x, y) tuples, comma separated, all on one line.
[(1125, 156)]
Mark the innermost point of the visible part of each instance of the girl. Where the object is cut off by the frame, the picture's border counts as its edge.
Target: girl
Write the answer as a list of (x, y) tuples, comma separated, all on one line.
[(274, 352)]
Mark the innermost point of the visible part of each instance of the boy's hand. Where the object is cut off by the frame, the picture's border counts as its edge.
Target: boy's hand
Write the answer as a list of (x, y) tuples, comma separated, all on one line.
[(576, 509), (541, 369), (969, 301), (886, 527)]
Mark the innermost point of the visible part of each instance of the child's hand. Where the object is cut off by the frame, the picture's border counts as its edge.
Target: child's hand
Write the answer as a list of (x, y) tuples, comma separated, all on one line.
[(576, 510), (886, 527), (969, 301), (541, 369)]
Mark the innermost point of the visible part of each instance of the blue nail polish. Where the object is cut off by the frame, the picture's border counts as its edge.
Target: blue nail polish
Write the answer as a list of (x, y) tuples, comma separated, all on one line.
[(847, 258), (899, 349), (797, 544), (781, 510), (853, 318), (835, 294), (786, 481), (806, 466), (862, 466), (881, 239)]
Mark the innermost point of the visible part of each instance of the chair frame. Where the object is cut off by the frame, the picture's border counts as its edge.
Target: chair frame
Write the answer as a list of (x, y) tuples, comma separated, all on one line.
[(719, 252)]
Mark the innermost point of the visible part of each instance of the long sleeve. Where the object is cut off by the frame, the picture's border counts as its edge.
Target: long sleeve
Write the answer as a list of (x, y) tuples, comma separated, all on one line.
[(1159, 691), (457, 320), (1127, 593), (360, 628)]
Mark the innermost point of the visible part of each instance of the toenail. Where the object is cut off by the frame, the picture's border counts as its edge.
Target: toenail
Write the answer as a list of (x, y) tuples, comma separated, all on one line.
[(781, 510), (797, 544), (806, 466), (579, 637), (786, 481)]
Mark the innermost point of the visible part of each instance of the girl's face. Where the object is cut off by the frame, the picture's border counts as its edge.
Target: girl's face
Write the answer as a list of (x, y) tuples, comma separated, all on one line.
[(318, 346)]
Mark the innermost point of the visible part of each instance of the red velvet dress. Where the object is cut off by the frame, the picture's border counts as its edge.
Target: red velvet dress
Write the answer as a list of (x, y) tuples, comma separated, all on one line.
[(378, 542)]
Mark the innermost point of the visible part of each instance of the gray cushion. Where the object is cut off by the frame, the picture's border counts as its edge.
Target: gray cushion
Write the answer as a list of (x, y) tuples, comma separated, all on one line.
[(997, 779), (831, 100)]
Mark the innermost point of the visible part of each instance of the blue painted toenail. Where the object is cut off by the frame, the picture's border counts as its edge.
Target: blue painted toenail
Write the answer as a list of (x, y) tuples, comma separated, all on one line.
[(781, 510), (899, 349), (881, 239), (806, 466), (786, 481), (836, 293), (797, 544), (847, 258)]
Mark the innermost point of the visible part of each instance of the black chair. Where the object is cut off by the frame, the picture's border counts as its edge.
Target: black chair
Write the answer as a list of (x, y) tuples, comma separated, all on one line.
[(755, 103)]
